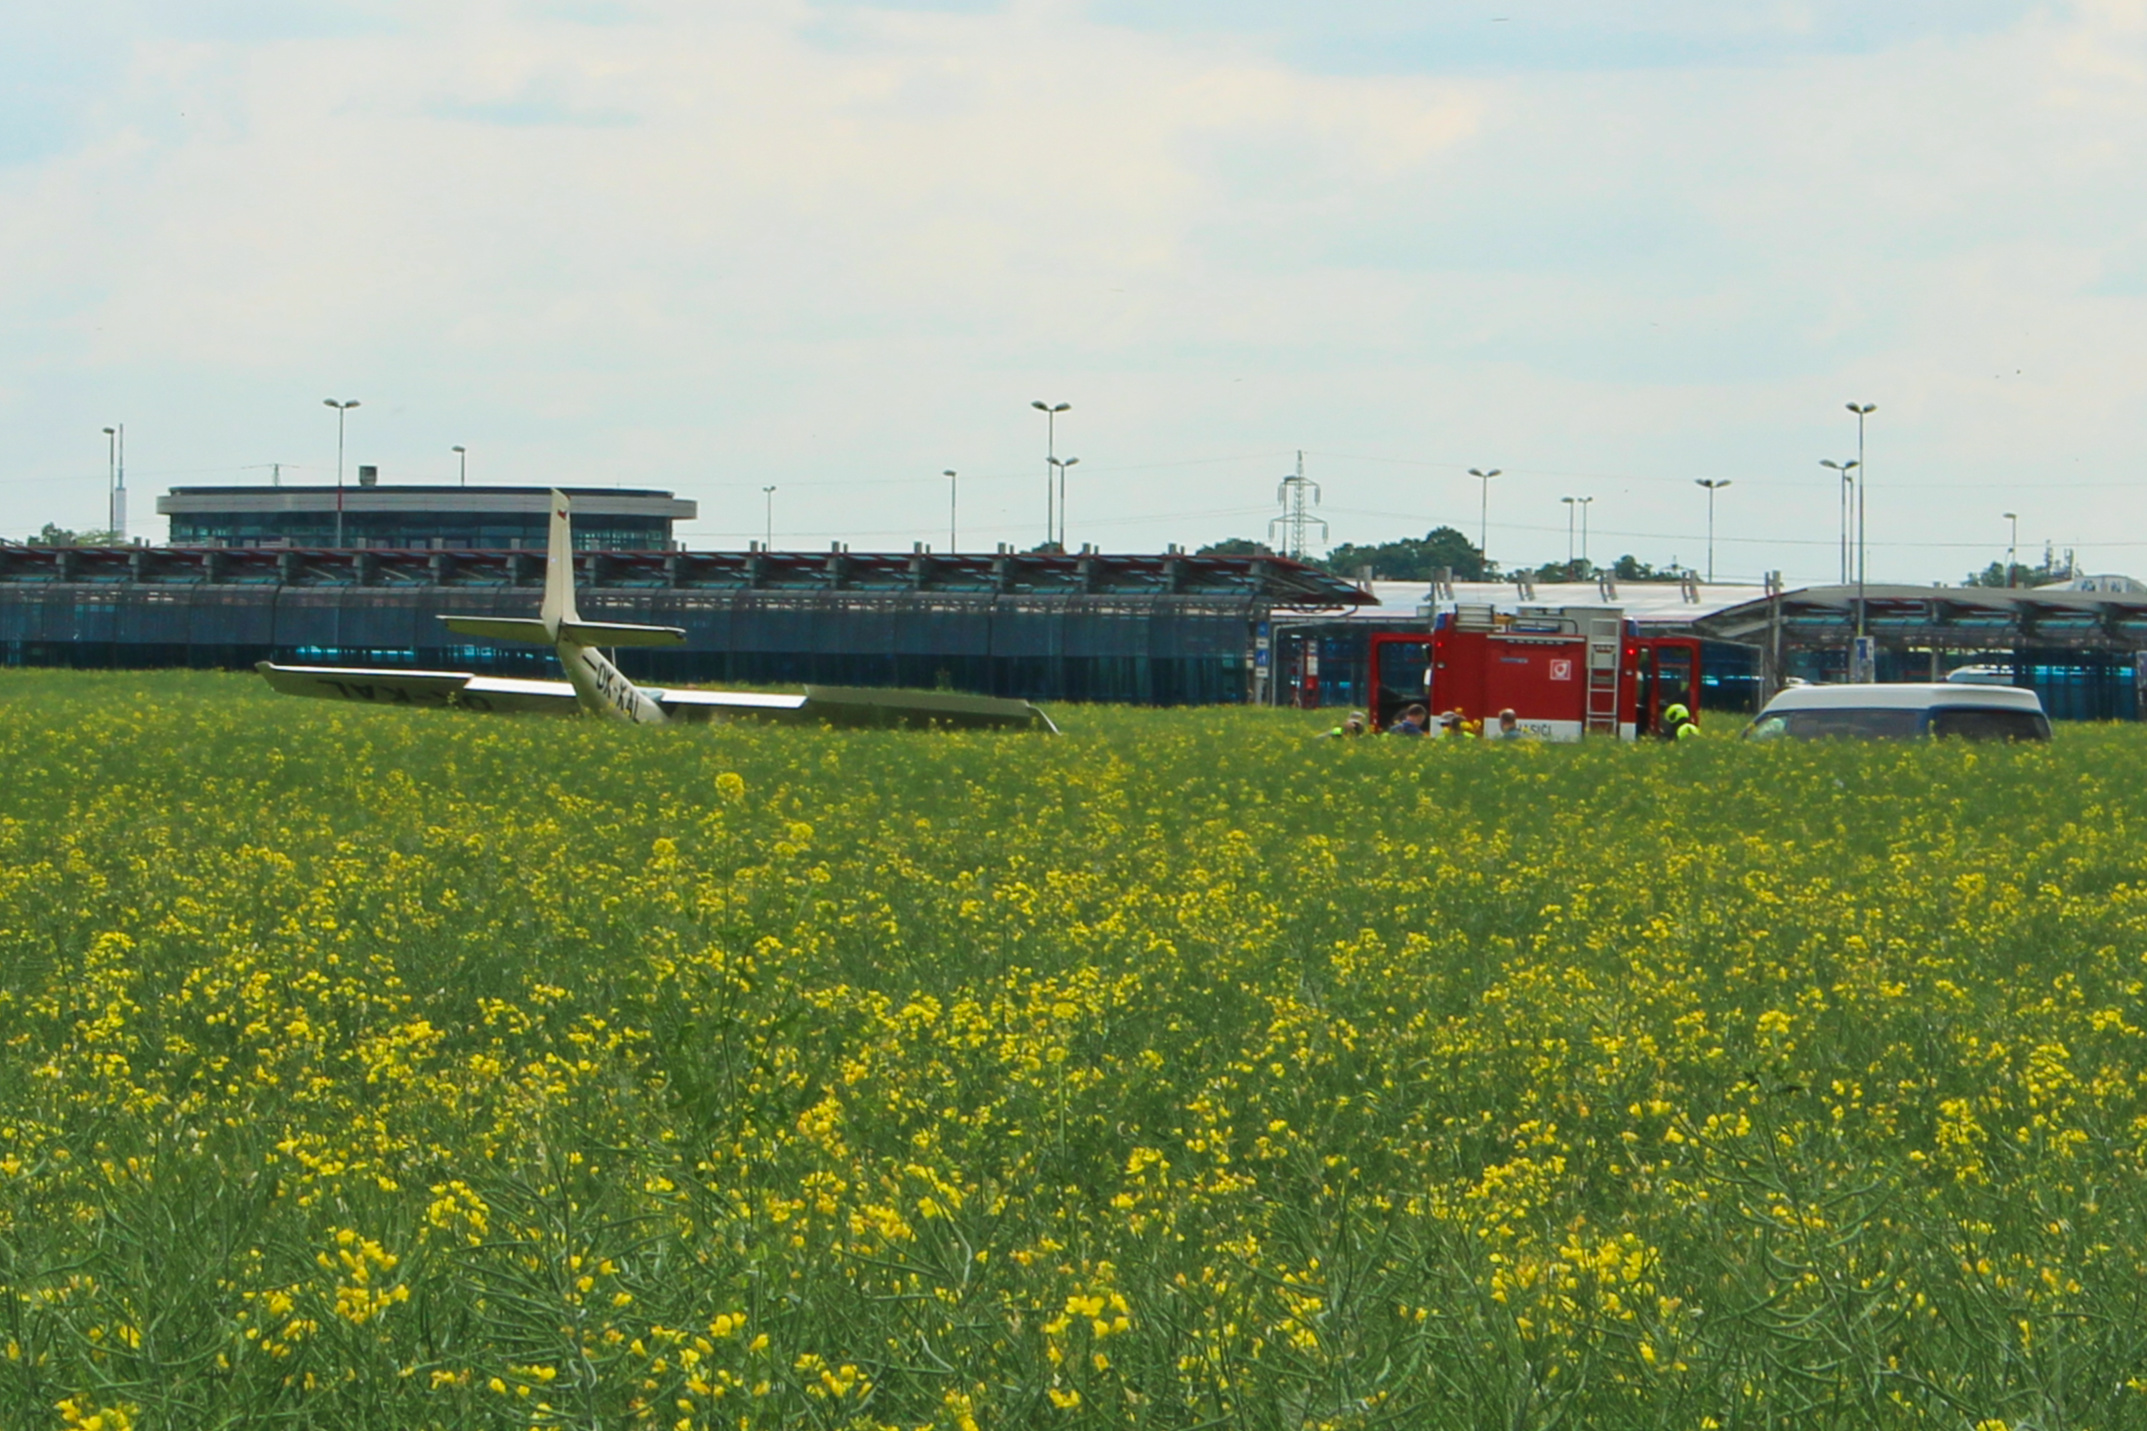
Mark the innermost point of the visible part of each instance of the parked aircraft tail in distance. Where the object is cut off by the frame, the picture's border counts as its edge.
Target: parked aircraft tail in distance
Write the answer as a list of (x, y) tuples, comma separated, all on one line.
[(594, 686)]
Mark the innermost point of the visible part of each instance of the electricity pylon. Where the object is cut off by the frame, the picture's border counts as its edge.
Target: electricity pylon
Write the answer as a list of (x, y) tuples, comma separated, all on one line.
[(1298, 494)]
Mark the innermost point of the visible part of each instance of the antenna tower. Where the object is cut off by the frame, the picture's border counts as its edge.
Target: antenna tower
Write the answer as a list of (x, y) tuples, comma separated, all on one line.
[(1298, 495)]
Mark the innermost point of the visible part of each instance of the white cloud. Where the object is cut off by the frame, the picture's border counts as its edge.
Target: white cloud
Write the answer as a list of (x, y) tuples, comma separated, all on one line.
[(716, 246)]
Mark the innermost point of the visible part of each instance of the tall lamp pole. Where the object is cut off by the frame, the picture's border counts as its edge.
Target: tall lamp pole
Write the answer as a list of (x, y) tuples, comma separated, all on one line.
[(1863, 489), (1571, 504), (1713, 485), (1051, 454), (768, 537), (462, 459), (342, 410), (112, 440), (2012, 548), (1062, 463), (1483, 516), (954, 487), (1848, 490), (1584, 501)]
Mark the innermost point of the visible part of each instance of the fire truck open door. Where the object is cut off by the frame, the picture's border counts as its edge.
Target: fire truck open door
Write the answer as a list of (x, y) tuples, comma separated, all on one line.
[(1397, 676), (1666, 673)]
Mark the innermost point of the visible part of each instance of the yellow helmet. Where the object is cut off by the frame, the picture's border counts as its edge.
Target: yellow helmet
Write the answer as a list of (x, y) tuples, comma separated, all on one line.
[(1676, 712)]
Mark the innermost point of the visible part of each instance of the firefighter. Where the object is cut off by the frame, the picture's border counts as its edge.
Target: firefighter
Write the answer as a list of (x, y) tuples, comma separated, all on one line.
[(1678, 723), (1354, 725)]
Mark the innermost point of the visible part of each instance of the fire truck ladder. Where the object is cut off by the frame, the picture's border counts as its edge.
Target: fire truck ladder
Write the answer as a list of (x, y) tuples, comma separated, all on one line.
[(1605, 640)]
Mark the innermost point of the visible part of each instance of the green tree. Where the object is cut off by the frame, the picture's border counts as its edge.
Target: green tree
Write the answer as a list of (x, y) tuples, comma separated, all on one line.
[(1631, 568), (1574, 570), (1236, 547), (2052, 568), (54, 535), (1412, 558)]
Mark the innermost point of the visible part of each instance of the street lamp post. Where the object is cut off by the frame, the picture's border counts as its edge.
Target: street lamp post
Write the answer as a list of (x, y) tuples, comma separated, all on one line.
[(1848, 489), (342, 410), (767, 543), (1571, 503), (462, 459), (953, 490), (1584, 501), (1051, 453), (2012, 548), (1863, 490), (1483, 516), (1062, 463), (112, 439), (1713, 485)]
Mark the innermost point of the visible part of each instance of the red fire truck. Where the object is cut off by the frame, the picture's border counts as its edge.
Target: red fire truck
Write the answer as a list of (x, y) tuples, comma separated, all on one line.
[(1564, 671)]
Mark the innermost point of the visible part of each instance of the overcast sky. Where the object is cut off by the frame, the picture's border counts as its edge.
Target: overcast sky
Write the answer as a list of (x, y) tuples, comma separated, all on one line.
[(839, 247)]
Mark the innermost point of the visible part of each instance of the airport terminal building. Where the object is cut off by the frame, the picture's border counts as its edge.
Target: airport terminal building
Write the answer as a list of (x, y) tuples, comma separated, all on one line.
[(1168, 629), (360, 575), (256, 573), (368, 515)]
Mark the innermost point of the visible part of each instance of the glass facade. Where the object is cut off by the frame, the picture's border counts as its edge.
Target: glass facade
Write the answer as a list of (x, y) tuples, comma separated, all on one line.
[(478, 531), (415, 518), (2073, 684), (1159, 651)]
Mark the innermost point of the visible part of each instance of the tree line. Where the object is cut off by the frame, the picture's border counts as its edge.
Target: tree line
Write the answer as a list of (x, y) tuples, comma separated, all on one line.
[(54, 535), (1445, 549)]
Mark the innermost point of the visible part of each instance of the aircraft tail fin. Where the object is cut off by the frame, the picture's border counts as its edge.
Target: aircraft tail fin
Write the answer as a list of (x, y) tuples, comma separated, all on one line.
[(558, 608)]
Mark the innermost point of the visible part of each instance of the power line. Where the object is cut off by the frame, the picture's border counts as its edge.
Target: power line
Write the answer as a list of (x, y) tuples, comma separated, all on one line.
[(1695, 537), (1460, 469)]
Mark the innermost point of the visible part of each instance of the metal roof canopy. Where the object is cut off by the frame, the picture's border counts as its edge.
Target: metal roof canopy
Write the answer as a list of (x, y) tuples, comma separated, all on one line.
[(406, 498), (1663, 606), (1951, 617), (1260, 580)]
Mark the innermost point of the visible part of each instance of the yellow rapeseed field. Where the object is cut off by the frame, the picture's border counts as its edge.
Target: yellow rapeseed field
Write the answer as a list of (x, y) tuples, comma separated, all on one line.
[(407, 1069)]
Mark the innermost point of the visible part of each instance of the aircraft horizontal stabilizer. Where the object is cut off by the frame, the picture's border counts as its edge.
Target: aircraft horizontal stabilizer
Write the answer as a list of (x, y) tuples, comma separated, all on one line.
[(500, 628), (585, 633), (619, 633)]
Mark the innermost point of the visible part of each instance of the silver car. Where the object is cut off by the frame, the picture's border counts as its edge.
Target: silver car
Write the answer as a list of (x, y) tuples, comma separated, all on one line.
[(1903, 712)]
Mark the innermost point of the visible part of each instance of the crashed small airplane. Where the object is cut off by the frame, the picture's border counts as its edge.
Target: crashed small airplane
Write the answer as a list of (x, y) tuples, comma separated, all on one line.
[(595, 686)]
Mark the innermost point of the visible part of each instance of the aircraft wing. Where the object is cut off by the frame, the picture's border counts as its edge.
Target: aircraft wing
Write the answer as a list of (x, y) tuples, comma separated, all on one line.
[(820, 705), (369, 686), (508, 693), (874, 706), (855, 706), (704, 705)]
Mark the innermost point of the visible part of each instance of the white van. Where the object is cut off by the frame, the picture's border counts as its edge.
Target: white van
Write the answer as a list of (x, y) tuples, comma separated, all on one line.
[(1903, 712)]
